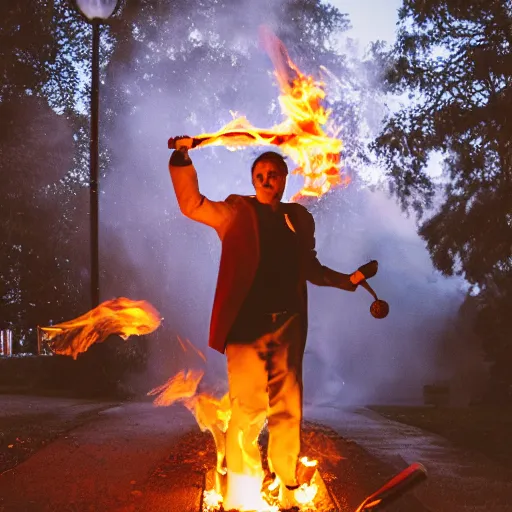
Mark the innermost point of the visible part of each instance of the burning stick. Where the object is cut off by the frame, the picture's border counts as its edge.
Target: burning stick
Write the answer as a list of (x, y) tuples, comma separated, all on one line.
[(301, 135), (394, 488), (120, 316)]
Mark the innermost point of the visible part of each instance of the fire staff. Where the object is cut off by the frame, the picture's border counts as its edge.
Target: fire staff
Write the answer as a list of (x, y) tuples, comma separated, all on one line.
[(259, 317)]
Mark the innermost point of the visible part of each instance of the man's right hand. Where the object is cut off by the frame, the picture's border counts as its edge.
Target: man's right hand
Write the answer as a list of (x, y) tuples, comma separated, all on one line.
[(179, 157), (183, 142)]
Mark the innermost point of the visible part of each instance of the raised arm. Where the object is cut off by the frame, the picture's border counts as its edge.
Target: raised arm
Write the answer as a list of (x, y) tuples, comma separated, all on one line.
[(192, 203)]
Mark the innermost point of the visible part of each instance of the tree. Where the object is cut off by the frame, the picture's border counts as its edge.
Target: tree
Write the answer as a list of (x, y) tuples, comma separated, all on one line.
[(38, 255), (43, 51), (453, 59), (41, 48)]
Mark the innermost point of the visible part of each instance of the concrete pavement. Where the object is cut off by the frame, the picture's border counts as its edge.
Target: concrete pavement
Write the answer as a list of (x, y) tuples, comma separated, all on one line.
[(135, 457), (98, 466), (459, 480)]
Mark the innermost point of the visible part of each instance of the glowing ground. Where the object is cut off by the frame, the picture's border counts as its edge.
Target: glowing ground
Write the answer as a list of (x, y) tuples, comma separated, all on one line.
[(323, 501)]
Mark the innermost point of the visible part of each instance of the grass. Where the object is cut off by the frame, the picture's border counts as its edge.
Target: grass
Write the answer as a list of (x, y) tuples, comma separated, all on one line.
[(486, 430)]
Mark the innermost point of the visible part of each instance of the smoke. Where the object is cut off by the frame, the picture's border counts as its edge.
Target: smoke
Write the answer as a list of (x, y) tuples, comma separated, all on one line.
[(172, 262), (354, 358)]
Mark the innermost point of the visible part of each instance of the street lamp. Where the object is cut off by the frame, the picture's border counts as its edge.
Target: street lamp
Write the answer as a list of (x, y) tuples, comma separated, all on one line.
[(96, 12)]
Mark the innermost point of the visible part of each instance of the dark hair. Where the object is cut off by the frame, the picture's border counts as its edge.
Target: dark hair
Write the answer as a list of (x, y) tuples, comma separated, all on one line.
[(271, 156)]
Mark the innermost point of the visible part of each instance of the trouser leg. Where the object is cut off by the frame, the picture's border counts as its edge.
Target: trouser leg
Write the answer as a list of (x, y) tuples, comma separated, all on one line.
[(285, 401), (247, 378)]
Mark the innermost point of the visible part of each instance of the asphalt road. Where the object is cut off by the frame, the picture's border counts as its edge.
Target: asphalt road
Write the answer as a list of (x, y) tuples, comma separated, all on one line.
[(100, 465), (135, 457)]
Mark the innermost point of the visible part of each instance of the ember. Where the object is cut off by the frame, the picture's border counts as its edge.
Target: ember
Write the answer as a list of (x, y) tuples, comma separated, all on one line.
[(121, 316), (302, 135)]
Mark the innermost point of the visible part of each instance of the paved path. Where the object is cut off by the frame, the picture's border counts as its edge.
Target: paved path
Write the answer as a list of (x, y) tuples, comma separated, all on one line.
[(135, 457), (19, 405), (100, 465), (459, 480), (127, 458)]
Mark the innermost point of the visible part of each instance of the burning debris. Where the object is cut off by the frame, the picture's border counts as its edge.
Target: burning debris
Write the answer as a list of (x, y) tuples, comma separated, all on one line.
[(306, 135), (121, 316)]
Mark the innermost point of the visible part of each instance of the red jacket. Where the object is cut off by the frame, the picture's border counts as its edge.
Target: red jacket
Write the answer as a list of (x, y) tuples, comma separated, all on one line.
[(236, 224)]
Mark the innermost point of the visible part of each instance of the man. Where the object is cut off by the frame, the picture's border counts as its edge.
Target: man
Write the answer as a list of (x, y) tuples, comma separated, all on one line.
[(259, 316)]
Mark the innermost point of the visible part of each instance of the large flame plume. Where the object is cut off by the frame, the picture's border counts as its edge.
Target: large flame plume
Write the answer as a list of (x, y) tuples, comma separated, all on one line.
[(306, 135), (121, 316), (213, 415)]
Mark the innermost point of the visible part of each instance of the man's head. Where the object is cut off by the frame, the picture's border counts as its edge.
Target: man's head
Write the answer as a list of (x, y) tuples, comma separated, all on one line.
[(269, 172)]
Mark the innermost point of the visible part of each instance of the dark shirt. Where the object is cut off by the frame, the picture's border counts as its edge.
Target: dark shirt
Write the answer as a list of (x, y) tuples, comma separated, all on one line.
[(275, 285)]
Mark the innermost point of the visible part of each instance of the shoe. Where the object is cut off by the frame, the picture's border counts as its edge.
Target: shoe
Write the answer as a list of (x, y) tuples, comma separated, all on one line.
[(287, 500)]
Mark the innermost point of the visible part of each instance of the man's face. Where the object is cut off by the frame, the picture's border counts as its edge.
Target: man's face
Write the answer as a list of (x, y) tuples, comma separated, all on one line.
[(269, 182)]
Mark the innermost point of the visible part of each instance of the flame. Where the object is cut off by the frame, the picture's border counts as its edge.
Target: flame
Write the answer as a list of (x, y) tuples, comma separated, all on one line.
[(213, 415), (121, 316), (212, 499), (309, 463), (302, 135), (180, 387), (305, 494)]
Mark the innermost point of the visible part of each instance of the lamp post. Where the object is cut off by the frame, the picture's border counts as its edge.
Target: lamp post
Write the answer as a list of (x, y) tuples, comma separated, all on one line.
[(96, 12)]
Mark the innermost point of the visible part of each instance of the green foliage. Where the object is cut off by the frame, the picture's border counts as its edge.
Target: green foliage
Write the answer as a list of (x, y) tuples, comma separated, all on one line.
[(453, 58), (41, 255), (40, 43)]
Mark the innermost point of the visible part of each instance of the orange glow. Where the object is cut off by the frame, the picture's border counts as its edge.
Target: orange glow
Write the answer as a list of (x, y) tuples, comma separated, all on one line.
[(243, 491), (305, 494), (121, 316), (302, 135)]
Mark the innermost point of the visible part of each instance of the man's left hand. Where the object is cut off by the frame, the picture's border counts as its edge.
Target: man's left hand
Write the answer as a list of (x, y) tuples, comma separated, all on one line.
[(364, 272)]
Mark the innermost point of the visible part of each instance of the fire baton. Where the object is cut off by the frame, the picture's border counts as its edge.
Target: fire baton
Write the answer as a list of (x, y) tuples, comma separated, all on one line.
[(266, 137)]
